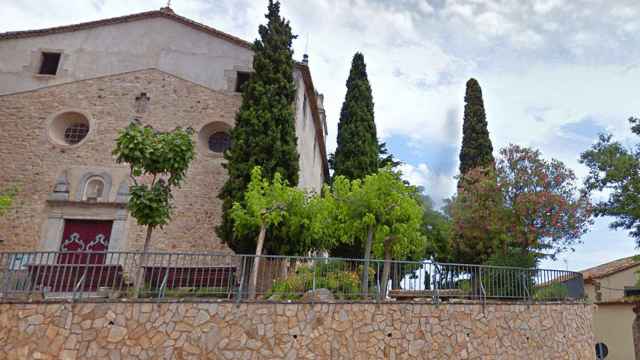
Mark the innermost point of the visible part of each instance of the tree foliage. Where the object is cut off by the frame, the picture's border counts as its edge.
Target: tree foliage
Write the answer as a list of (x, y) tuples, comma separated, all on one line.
[(437, 229), (309, 219), (525, 203), (273, 203), (615, 169), (357, 152), (264, 134), (383, 213), (478, 217), (547, 212), (158, 162), (476, 150)]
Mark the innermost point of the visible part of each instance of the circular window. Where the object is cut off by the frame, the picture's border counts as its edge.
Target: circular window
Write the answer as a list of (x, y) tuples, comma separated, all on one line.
[(75, 133), (219, 142), (214, 138), (69, 128)]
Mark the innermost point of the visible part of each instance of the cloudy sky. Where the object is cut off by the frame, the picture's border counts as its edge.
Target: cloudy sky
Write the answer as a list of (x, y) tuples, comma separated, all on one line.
[(554, 73)]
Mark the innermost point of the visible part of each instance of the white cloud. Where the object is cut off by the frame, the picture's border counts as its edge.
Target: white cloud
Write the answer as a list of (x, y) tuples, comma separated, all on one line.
[(437, 186)]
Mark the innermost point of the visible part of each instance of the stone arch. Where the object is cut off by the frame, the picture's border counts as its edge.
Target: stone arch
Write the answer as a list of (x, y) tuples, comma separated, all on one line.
[(90, 175)]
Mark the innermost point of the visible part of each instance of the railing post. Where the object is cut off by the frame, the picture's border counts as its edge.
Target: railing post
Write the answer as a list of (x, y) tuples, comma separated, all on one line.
[(483, 294), (242, 267), (313, 285), (435, 294)]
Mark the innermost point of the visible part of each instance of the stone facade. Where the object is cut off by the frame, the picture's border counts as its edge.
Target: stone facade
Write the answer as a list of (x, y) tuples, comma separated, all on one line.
[(34, 163), (295, 331)]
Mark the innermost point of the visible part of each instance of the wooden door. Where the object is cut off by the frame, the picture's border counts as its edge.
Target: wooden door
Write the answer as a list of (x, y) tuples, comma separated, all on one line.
[(85, 236)]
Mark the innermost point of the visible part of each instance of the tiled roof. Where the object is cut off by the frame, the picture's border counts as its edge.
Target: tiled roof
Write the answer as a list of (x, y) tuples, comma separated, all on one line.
[(164, 12), (610, 268)]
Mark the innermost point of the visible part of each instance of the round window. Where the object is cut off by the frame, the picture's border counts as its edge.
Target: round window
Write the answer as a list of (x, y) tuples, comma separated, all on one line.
[(219, 142), (214, 138), (69, 128), (74, 133)]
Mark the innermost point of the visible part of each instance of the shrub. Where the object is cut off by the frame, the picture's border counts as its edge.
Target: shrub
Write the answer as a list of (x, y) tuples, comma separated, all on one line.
[(555, 291), (344, 284)]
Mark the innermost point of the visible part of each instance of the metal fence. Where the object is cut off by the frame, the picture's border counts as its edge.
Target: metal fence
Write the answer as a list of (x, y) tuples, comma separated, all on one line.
[(115, 275)]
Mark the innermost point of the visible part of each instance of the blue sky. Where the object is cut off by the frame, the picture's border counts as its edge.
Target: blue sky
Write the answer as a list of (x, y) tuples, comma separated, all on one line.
[(554, 73)]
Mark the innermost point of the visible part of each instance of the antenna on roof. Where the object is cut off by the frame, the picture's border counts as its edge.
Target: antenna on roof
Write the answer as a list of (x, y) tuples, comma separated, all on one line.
[(305, 57), (168, 3)]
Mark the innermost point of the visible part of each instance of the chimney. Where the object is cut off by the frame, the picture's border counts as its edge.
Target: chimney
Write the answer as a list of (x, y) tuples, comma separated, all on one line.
[(305, 59)]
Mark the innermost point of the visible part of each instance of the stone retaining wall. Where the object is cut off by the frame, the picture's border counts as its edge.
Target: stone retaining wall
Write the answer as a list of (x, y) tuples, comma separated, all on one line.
[(295, 331)]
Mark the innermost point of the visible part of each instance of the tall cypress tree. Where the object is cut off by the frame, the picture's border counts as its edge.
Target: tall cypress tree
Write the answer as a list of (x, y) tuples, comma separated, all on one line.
[(357, 153), (264, 133), (476, 150)]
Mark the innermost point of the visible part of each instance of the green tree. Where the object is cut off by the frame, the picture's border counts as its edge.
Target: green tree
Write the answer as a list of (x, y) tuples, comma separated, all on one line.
[(383, 212), (437, 230), (357, 153), (268, 204), (615, 169), (264, 134), (476, 150), (158, 162)]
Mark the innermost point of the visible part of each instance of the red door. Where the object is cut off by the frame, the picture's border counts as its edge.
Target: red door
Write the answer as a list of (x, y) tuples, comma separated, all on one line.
[(85, 236)]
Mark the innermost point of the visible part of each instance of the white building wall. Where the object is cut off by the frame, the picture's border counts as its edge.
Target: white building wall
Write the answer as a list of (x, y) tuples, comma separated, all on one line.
[(112, 49), (311, 162)]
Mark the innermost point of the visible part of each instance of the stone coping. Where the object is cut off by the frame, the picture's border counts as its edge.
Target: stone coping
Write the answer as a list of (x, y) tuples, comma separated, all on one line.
[(245, 302)]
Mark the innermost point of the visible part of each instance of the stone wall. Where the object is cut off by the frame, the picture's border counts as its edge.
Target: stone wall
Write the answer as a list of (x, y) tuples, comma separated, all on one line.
[(295, 331)]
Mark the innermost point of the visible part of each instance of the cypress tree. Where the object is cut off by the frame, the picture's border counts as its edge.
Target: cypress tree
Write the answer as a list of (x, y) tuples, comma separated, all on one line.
[(476, 150), (357, 152), (264, 134)]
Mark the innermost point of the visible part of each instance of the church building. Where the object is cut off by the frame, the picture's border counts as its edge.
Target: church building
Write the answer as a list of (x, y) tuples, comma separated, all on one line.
[(66, 91)]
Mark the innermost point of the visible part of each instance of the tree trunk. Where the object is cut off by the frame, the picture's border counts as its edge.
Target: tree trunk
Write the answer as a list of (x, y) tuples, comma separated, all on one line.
[(367, 256), (386, 269), (143, 262), (253, 282)]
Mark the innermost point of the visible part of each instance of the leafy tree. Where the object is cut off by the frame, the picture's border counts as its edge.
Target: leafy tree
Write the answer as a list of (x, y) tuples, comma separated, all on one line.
[(381, 211), (159, 162), (479, 218), (615, 169), (476, 150), (357, 152), (268, 204), (547, 212), (526, 203), (354, 249), (264, 134), (437, 229)]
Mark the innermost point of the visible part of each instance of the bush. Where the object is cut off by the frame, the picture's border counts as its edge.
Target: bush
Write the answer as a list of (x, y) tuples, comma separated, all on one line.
[(555, 291), (344, 284)]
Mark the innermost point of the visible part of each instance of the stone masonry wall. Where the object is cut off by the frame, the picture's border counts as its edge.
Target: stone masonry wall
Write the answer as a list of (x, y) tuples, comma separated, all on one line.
[(33, 162), (295, 331)]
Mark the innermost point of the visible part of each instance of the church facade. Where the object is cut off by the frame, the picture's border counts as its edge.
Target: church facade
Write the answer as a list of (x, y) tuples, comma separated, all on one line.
[(66, 91)]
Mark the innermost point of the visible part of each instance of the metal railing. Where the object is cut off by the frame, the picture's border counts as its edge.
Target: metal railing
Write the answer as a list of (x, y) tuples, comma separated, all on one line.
[(122, 275)]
